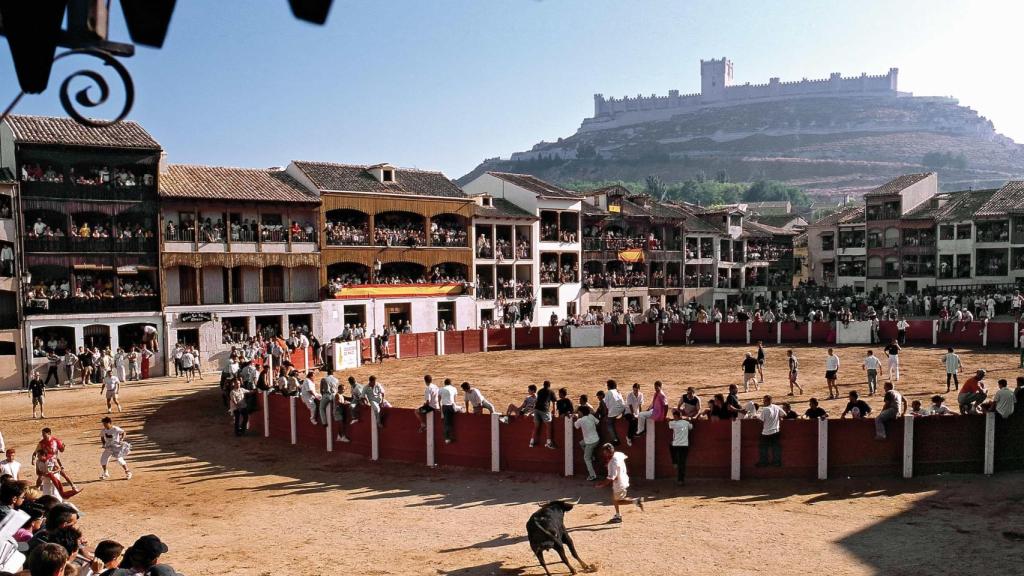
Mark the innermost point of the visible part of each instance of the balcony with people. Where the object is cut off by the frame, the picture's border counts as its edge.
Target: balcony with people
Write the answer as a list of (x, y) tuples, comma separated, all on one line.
[(992, 231), (882, 211), (664, 275), (919, 266), (919, 239), (88, 180), (88, 289), (559, 226), (559, 268), (852, 267), (83, 232), (449, 231), (615, 275), (698, 276), (768, 250), (954, 266), (346, 274), (239, 231), (347, 228), (992, 262), (399, 229), (852, 240)]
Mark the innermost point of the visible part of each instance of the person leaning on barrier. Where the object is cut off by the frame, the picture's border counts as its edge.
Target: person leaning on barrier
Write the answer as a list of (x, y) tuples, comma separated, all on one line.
[(856, 407), (1002, 401), (972, 393)]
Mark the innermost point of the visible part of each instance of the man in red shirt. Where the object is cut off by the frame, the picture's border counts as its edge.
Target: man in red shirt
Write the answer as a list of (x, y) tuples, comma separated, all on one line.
[(51, 447), (972, 393)]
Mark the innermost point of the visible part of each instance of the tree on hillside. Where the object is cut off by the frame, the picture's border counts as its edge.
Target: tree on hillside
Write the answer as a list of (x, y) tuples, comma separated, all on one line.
[(654, 187), (771, 191)]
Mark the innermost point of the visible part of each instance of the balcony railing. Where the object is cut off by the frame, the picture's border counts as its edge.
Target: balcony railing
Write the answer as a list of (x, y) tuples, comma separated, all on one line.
[(273, 294), (91, 305), (70, 191), (882, 215), (77, 245)]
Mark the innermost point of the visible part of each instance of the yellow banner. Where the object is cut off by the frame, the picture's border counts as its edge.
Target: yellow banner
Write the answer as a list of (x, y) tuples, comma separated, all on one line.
[(398, 291), (632, 255)]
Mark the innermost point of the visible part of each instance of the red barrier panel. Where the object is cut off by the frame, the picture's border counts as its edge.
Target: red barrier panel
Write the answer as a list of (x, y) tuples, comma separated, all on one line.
[(823, 333), (473, 341), (472, 445), (527, 338), (709, 455), (280, 418), (765, 332), (499, 339), (643, 334), (799, 442), (359, 434), (703, 333), (613, 335), (920, 331), (964, 333), (794, 332), (1009, 449), (734, 332), (407, 346), (1000, 334), (853, 450), (307, 433), (426, 344), (949, 444), (453, 343), (366, 349), (674, 334), (887, 330), (553, 335), (516, 454), (401, 439)]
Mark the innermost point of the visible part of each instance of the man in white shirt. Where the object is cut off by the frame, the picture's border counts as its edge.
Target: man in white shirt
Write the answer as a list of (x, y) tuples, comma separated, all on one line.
[(476, 400), (431, 401), (10, 466), (587, 424), (309, 397), (634, 406), (901, 331), (328, 391), (114, 446), (448, 397), (1002, 401), (872, 365), (179, 351), (771, 417), (187, 360), (618, 479), (680, 446), (616, 407), (111, 386), (953, 367), (831, 373)]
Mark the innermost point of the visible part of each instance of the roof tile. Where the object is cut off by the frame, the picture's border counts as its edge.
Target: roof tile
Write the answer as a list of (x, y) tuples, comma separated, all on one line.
[(898, 184), (68, 132), (535, 185), (357, 178), (1006, 200), (243, 184)]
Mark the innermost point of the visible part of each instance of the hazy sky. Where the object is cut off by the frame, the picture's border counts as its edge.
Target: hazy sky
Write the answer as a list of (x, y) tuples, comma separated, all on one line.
[(443, 84)]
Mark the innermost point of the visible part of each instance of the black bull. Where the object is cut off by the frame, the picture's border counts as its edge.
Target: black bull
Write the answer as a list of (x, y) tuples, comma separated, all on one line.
[(546, 531)]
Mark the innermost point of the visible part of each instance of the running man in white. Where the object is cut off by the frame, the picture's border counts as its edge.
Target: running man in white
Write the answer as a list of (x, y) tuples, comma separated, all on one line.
[(112, 439), (618, 479), (111, 386)]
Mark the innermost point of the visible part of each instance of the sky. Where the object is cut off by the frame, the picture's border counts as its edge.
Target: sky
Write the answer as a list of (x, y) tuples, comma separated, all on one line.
[(444, 84)]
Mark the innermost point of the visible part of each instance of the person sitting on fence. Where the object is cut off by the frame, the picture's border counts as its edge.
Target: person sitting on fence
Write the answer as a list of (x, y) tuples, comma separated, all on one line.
[(771, 416), (894, 406), (689, 403), (431, 401), (475, 400), (657, 411), (543, 402), (718, 409), (309, 397), (1002, 401), (732, 402), (788, 413), (939, 408), (634, 406), (563, 406), (917, 410), (814, 411), (448, 396), (527, 407), (856, 407), (373, 395), (615, 406), (972, 393), (585, 401)]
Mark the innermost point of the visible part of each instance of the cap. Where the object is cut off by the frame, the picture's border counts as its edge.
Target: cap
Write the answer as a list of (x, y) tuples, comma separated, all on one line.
[(149, 545)]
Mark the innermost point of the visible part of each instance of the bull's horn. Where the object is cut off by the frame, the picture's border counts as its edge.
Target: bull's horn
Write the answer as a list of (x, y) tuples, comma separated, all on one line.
[(577, 501)]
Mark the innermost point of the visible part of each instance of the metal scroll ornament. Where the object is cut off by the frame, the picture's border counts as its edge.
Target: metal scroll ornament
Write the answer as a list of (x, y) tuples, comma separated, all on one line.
[(85, 99)]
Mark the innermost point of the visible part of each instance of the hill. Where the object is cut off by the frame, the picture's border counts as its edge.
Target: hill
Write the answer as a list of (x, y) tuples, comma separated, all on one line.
[(826, 145)]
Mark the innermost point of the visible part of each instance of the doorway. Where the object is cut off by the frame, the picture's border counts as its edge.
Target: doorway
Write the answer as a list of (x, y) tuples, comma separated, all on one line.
[(398, 315)]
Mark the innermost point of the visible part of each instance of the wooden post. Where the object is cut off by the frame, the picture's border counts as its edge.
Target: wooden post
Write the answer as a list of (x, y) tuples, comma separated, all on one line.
[(540, 335), (430, 440), (734, 462), (935, 332), (266, 414), (778, 332), (374, 437), (990, 443), (718, 332), (908, 446), (823, 449), (810, 332), (495, 442), (649, 449), (330, 424), (567, 445), (291, 413)]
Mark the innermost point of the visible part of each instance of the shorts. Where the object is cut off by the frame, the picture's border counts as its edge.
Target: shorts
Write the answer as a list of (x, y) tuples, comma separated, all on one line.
[(793, 376), (426, 409), (749, 376), (760, 361), (111, 395), (37, 400), (830, 374), (541, 416), (620, 494)]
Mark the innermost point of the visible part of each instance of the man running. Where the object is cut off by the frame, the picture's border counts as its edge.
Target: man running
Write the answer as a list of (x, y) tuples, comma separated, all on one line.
[(114, 446), (618, 479), (794, 372), (48, 450), (111, 386), (749, 372)]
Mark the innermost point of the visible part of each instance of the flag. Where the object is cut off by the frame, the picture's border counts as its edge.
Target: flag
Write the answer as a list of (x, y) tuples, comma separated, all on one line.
[(632, 255)]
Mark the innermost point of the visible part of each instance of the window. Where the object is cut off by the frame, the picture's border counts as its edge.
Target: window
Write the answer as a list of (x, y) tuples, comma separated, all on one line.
[(892, 237), (445, 314), (998, 231), (724, 248), (549, 296), (828, 242), (189, 336), (991, 262), (486, 201), (963, 266), (874, 238), (875, 266), (963, 231), (486, 315), (234, 330), (8, 310), (736, 220), (946, 232), (947, 267), (388, 175), (8, 349), (354, 315)]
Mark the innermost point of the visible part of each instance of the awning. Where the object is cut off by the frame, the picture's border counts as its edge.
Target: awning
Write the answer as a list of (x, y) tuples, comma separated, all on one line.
[(92, 267), (398, 291), (632, 255)]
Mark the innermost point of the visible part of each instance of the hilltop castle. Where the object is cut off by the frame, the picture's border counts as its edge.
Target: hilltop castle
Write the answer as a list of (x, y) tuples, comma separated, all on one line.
[(717, 89)]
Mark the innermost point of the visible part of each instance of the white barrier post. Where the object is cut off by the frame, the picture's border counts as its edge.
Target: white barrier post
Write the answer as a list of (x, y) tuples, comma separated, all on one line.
[(649, 449), (718, 332), (495, 442), (374, 437), (1017, 341), (484, 339), (629, 335), (990, 443), (810, 332), (935, 332), (778, 332), (657, 333), (734, 463), (306, 358), (748, 333), (908, 446), (398, 346), (266, 414), (541, 336), (291, 412), (567, 438), (430, 440), (823, 449), (373, 350), (984, 334), (512, 337), (330, 424)]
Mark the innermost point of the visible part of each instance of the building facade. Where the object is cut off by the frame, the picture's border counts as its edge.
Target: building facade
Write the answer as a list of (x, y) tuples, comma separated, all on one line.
[(12, 355), (240, 256)]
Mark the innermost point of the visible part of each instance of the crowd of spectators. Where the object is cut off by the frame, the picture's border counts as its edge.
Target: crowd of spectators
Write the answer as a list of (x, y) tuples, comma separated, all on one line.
[(447, 233), (353, 231), (552, 273), (97, 176), (246, 230), (615, 279), (399, 234), (552, 233)]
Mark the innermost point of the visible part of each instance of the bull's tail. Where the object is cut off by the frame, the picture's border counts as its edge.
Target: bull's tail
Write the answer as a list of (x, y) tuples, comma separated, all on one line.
[(541, 527)]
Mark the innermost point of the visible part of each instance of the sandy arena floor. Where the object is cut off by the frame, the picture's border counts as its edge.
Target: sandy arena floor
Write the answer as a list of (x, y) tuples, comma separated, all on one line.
[(246, 506)]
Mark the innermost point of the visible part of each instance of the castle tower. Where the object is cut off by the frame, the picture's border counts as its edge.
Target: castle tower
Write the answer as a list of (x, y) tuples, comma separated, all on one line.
[(715, 76)]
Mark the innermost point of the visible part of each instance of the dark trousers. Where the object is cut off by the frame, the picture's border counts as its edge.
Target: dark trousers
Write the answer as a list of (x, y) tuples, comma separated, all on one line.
[(609, 423), (241, 421), (631, 430), (770, 443), (901, 337), (954, 379), (679, 454), (177, 367), (52, 371), (448, 419)]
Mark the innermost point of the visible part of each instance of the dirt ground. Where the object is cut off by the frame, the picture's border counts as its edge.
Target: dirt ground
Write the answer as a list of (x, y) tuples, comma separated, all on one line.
[(248, 506)]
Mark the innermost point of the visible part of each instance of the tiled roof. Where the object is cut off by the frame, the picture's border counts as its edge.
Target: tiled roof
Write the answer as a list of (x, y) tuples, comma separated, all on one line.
[(769, 204), (1008, 199), (242, 184), (6, 176), (898, 184), (779, 220), (589, 209), (67, 132), (845, 216), (357, 178), (501, 208), (535, 185), (951, 206), (758, 229)]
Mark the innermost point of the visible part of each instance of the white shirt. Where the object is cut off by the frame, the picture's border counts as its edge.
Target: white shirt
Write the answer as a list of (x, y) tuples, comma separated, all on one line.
[(952, 363), (871, 363), (12, 468), (680, 432), (617, 472), (111, 384), (186, 360), (306, 390), (447, 395), (1004, 401), (303, 341), (770, 416), (635, 401), (112, 438), (588, 425), (939, 410), (613, 401), (475, 397), (430, 396), (832, 363), (902, 325)]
